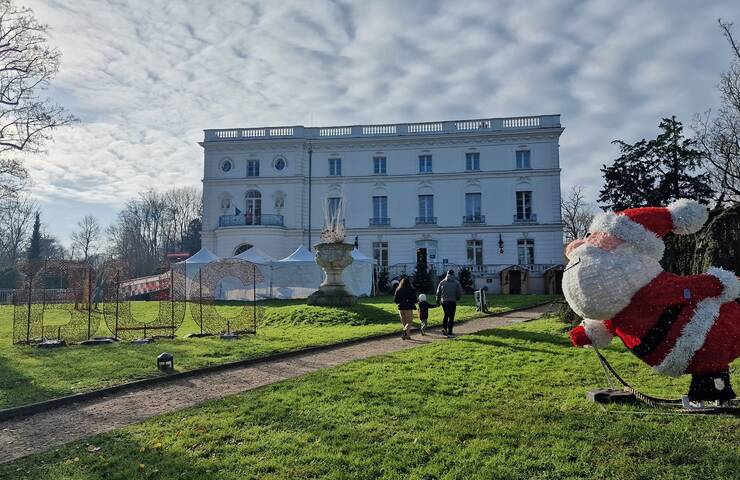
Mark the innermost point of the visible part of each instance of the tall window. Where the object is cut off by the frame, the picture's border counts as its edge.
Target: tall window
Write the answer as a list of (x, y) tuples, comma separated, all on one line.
[(425, 164), (472, 161), (426, 208), (475, 252), (335, 167), (333, 206), (523, 205), (380, 253), (522, 159), (253, 168), (379, 165), (525, 250), (253, 211), (380, 208), (473, 207)]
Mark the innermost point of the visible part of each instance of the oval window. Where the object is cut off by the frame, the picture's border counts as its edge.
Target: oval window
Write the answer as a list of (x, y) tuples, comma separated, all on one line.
[(226, 165), (279, 164)]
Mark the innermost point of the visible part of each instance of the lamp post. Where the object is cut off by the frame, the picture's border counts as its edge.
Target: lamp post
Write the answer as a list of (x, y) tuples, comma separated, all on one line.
[(310, 160), (500, 244)]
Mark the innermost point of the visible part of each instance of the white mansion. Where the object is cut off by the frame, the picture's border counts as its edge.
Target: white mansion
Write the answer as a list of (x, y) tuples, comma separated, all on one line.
[(483, 192)]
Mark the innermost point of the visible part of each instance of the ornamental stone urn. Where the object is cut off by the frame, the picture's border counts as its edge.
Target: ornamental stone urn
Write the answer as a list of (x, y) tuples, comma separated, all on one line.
[(333, 258)]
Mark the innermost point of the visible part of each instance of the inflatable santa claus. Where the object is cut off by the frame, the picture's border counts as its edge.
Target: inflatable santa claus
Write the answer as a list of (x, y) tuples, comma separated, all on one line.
[(676, 324)]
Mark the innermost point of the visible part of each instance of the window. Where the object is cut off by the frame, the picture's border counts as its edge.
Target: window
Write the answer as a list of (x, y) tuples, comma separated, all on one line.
[(472, 161), (242, 248), (380, 253), (523, 205), (335, 167), (475, 252), (253, 212), (380, 208), (522, 159), (226, 165), (426, 209), (473, 208), (525, 250), (333, 204), (425, 164), (253, 168), (379, 165), (279, 164)]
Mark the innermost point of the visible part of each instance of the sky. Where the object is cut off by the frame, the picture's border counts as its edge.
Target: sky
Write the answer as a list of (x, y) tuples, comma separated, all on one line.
[(146, 77)]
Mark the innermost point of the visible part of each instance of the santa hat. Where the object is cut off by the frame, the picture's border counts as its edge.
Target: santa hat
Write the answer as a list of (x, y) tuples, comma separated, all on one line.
[(643, 227)]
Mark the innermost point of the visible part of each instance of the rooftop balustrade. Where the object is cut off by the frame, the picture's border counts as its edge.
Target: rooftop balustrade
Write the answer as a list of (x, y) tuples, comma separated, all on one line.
[(385, 130)]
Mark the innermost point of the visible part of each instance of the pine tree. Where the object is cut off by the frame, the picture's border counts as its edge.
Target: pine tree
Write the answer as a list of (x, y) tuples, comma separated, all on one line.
[(34, 250), (421, 280), (466, 280), (655, 172)]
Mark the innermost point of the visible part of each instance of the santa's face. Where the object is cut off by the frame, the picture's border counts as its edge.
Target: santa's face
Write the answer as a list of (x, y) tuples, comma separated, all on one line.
[(603, 274)]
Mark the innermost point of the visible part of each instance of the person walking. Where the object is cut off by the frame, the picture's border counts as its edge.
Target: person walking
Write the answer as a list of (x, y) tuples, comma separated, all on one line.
[(405, 298), (424, 307), (449, 291)]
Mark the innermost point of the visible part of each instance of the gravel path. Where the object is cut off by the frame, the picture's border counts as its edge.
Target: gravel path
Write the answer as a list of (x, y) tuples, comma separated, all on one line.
[(45, 430)]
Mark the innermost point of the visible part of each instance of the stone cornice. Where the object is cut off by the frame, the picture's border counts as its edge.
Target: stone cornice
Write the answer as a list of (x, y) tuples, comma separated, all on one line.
[(413, 229)]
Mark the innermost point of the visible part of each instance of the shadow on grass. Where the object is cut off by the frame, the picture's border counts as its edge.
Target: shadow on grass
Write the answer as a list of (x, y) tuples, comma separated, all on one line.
[(531, 337), (19, 389)]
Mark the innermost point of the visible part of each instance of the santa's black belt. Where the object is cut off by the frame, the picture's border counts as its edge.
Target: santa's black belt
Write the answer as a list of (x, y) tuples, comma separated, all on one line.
[(657, 333)]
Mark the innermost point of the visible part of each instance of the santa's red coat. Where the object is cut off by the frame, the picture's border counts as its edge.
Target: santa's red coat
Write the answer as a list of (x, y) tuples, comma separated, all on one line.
[(656, 318)]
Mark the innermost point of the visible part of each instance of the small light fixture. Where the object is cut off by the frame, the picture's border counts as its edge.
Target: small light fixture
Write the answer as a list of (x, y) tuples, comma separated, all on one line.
[(500, 244), (166, 361)]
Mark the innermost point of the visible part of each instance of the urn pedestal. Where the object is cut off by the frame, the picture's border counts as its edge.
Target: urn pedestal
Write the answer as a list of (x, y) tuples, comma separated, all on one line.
[(333, 258)]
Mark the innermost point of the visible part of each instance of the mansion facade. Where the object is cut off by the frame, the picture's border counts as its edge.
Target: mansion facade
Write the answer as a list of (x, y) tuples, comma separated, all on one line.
[(481, 192)]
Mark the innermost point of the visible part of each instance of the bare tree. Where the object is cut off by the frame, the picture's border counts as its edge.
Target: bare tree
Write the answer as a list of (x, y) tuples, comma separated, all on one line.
[(16, 219), (577, 214), (85, 239), (719, 132)]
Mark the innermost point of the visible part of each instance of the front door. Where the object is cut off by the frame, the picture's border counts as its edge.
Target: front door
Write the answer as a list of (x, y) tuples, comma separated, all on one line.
[(515, 282), (254, 211)]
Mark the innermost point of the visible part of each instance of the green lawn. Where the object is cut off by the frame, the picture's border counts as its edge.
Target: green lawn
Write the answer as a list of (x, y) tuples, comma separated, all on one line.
[(504, 404), (29, 374)]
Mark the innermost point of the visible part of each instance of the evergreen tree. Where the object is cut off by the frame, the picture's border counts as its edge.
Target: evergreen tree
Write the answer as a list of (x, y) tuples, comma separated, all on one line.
[(656, 172), (34, 250), (421, 280), (190, 241), (466, 280)]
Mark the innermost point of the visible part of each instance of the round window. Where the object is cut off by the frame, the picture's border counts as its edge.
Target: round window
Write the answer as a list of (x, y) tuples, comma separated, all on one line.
[(226, 165), (279, 164)]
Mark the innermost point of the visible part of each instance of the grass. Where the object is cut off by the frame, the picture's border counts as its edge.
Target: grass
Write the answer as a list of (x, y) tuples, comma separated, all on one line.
[(504, 404), (29, 374)]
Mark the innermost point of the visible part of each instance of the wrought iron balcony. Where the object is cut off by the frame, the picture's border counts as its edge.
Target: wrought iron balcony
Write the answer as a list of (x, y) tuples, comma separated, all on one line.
[(250, 220), (426, 220), (474, 219), (381, 221), (531, 218)]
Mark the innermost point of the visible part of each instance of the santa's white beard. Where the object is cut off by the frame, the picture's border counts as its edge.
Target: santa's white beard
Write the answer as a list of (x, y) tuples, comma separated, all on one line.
[(598, 284)]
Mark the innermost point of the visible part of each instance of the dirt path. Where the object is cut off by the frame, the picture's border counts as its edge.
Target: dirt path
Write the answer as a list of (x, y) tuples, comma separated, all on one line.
[(45, 430)]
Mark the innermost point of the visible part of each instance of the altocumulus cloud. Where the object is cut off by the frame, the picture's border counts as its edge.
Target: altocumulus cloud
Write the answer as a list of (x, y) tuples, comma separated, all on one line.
[(146, 77)]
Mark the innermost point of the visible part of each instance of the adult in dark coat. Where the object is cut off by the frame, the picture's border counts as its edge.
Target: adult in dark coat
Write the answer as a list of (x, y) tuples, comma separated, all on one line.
[(405, 298)]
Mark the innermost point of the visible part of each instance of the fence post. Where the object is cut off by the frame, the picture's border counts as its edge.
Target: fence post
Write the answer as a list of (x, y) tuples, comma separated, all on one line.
[(118, 287), (89, 301), (172, 300), (200, 298), (254, 297), (28, 323)]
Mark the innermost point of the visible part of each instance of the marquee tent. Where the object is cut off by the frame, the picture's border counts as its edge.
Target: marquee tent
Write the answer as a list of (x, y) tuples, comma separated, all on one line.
[(297, 275), (359, 276), (192, 266)]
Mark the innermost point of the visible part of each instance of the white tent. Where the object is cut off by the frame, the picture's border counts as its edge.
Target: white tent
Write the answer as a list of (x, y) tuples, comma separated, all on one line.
[(359, 275), (297, 275), (192, 266), (233, 288), (255, 255)]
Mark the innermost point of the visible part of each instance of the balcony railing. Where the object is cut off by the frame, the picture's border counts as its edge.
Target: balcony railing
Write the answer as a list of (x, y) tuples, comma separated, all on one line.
[(531, 218), (474, 219), (381, 221), (250, 220), (426, 220)]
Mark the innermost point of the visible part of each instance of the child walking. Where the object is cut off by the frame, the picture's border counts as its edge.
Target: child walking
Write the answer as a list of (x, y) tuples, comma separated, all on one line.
[(424, 307)]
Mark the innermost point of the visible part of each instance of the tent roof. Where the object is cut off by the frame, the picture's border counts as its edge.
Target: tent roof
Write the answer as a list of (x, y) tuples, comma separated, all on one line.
[(301, 254), (255, 255), (202, 256), (358, 255)]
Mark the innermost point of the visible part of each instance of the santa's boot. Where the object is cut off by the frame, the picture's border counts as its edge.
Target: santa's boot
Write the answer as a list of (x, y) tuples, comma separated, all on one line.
[(706, 387)]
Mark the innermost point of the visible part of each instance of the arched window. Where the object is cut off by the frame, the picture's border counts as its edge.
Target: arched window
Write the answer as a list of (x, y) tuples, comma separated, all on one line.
[(242, 248), (253, 210)]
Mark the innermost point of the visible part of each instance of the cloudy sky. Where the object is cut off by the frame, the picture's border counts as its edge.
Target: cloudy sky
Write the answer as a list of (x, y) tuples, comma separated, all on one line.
[(146, 77)]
